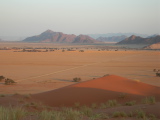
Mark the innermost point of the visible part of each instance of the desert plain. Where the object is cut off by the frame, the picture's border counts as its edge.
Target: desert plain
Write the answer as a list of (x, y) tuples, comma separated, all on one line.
[(36, 73)]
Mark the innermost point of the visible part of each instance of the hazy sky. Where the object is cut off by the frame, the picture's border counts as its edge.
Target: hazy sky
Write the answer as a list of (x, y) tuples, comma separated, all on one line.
[(31, 17)]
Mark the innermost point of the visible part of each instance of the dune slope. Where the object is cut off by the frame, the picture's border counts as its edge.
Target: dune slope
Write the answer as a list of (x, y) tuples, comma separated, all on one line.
[(97, 91)]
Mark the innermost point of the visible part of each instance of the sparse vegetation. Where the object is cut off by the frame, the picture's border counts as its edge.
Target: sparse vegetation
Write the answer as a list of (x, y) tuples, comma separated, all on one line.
[(2, 95), (103, 106), (152, 117), (77, 104), (123, 95), (11, 113), (81, 50), (34, 105), (149, 100), (112, 103), (76, 79), (66, 113), (131, 103), (27, 96), (93, 105), (1, 78), (9, 81), (99, 116), (119, 114), (86, 111), (105, 75), (157, 72), (130, 114), (141, 114)]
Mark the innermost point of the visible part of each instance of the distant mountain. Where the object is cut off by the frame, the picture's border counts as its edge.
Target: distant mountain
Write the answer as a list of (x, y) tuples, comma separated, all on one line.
[(153, 46), (139, 40), (84, 39), (59, 37), (112, 39), (95, 36), (152, 36)]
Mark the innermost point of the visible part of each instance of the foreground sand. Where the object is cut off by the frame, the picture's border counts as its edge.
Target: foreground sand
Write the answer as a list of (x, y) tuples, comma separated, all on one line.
[(37, 72), (95, 94)]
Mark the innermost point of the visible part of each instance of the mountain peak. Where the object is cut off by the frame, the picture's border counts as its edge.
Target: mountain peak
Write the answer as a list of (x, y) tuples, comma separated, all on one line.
[(132, 37), (48, 31)]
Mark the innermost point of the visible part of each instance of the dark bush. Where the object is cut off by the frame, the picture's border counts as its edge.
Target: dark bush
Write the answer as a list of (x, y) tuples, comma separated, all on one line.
[(1, 78), (9, 81), (76, 79)]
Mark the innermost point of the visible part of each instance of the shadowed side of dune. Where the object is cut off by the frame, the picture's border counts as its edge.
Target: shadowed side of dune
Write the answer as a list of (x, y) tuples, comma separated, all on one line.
[(84, 96)]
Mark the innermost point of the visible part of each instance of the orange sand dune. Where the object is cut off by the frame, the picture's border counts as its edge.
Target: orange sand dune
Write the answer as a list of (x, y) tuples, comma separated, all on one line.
[(97, 91)]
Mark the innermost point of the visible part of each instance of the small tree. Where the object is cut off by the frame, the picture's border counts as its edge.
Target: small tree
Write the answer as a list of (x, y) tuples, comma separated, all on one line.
[(9, 81), (76, 79)]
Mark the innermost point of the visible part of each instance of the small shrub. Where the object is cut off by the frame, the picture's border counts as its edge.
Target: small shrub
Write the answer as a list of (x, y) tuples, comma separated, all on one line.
[(149, 100), (86, 111), (123, 95), (27, 96), (130, 114), (141, 114), (93, 105), (152, 117), (99, 116), (2, 95), (103, 106), (105, 75), (1, 78), (76, 79), (119, 114), (34, 104), (131, 103), (9, 81), (158, 74), (112, 103), (81, 50), (70, 114), (154, 70), (21, 100), (77, 104)]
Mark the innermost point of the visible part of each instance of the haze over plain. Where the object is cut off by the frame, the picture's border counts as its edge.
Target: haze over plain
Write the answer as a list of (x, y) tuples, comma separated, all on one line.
[(31, 17)]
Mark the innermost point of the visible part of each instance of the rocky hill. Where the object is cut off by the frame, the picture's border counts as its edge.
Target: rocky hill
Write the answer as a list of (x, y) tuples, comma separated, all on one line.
[(84, 39), (59, 37), (139, 40), (112, 39)]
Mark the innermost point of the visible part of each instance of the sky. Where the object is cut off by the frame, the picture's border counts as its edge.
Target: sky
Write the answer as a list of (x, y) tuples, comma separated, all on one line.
[(32, 17)]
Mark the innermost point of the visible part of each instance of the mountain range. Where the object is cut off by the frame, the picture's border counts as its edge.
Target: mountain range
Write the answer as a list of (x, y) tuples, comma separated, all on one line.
[(59, 37), (139, 40), (112, 39), (95, 36)]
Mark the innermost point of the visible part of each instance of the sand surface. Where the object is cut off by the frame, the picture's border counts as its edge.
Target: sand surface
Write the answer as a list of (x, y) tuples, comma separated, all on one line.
[(36, 72)]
